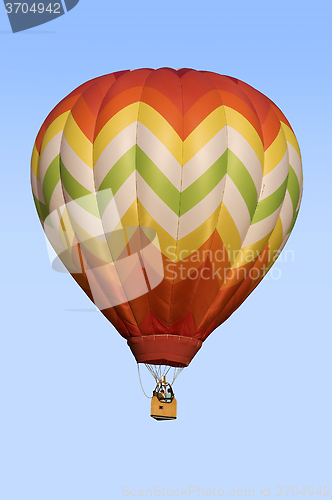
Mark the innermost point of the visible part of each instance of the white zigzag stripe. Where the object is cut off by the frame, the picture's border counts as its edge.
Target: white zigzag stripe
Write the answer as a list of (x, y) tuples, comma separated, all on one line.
[(197, 215), (37, 188), (284, 241), (274, 179), (53, 229), (124, 141), (165, 217), (161, 213), (261, 229), (192, 171), (124, 198), (50, 152), (286, 214), (300, 198), (87, 221), (245, 153), (236, 207), (77, 168), (120, 204), (57, 199), (137, 133), (159, 155), (295, 162), (204, 158), (270, 183)]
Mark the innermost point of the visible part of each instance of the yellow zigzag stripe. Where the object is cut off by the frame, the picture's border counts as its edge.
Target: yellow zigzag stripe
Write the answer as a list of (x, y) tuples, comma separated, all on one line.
[(290, 137), (160, 127), (187, 245), (79, 143), (113, 127), (275, 240), (35, 162), (98, 249), (149, 117), (228, 233), (275, 243), (203, 133), (251, 252), (275, 153), (56, 126), (239, 123), (199, 236)]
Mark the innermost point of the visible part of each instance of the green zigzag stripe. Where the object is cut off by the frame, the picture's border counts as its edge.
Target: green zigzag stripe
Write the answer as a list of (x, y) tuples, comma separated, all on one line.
[(243, 181), (51, 179), (293, 187), (168, 193), (165, 190), (160, 184), (78, 192), (266, 207), (157, 181), (71, 185), (41, 209), (199, 189), (120, 171), (293, 222)]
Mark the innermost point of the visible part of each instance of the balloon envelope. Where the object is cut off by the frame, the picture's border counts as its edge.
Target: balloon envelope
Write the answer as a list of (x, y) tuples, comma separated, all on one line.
[(167, 194)]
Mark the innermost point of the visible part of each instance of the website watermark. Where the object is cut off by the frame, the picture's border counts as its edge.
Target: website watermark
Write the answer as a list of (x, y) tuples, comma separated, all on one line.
[(219, 266), (198, 492)]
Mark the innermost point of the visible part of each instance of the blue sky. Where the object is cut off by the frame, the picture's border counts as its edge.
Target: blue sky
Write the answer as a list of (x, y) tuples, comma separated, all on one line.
[(74, 423)]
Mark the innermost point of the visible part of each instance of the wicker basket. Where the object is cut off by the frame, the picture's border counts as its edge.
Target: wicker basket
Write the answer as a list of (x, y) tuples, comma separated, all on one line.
[(163, 411)]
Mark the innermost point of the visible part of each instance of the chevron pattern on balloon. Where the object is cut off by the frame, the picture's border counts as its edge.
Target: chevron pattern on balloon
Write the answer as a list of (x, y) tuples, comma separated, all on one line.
[(206, 161)]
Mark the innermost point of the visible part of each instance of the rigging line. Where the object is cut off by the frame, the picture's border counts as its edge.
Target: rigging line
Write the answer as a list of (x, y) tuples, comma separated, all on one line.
[(154, 372), (139, 376), (149, 367), (176, 374)]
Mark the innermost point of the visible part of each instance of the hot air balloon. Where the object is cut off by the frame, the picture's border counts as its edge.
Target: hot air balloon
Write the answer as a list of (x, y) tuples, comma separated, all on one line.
[(168, 195)]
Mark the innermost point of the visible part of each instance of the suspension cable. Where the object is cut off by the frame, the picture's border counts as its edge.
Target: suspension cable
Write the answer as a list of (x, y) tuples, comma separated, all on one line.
[(157, 372), (139, 376), (177, 372)]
